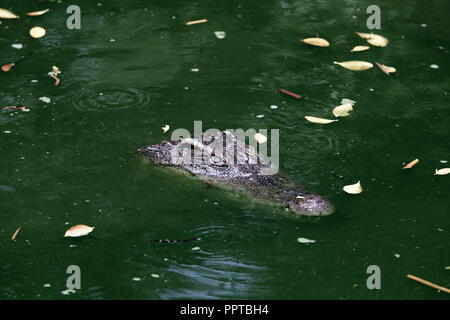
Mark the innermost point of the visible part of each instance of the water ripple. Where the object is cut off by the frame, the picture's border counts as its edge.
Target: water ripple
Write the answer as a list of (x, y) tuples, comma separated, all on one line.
[(111, 99)]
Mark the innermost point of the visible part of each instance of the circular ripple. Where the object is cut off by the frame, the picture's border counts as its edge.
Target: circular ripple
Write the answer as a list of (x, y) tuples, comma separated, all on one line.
[(111, 99)]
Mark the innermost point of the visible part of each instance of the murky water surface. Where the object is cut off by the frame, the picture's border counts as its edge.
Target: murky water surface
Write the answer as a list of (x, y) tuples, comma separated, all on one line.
[(127, 73)]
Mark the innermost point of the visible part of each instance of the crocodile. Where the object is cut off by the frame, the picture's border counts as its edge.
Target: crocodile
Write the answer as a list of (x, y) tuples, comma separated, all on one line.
[(221, 159)]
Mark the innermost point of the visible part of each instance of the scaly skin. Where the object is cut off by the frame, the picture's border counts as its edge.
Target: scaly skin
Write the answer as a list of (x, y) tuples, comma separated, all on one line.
[(211, 164)]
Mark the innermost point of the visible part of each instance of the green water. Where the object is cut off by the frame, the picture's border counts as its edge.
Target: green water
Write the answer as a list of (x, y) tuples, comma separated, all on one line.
[(74, 160)]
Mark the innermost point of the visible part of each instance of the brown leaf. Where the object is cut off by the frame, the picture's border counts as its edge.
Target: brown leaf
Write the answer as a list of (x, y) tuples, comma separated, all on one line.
[(411, 164), (7, 67), (15, 234), (294, 95)]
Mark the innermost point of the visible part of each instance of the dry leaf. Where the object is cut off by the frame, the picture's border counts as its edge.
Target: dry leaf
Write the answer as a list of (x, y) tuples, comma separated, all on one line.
[(386, 69), (6, 14), (360, 48), (78, 231), (294, 95), (196, 22), (37, 13), (37, 32), (319, 120), (411, 164), (165, 128), (260, 138), (7, 67), (318, 42), (348, 101), (442, 172), (374, 39), (355, 65), (305, 240), (220, 34), (353, 188), (342, 110), (15, 234)]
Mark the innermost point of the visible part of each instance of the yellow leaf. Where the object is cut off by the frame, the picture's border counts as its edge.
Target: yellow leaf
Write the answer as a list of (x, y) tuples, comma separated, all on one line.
[(260, 138), (37, 13), (319, 120), (386, 69), (374, 39), (78, 231), (37, 32), (6, 14), (442, 172), (353, 188), (318, 42), (342, 110), (360, 48), (355, 65)]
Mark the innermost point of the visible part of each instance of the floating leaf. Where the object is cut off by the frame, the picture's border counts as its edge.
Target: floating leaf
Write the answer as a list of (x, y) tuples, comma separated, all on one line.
[(411, 164), (348, 101), (386, 69), (355, 65), (342, 110), (220, 34), (260, 138), (78, 231), (15, 234), (294, 95), (360, 48), (45, 99), (37, 13), (305, 240), (353, 188), (318, 42), (374, 39), (37, 32), (319, 120), (7, 67), (442, 172), (196, 22), (6, 14), (165, 128)]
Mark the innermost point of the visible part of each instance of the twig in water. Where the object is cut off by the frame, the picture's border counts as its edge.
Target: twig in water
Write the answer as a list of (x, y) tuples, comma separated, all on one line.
[(427, 283)]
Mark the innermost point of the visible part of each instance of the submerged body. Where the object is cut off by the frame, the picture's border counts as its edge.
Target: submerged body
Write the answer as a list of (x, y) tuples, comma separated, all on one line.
[(224, 160)]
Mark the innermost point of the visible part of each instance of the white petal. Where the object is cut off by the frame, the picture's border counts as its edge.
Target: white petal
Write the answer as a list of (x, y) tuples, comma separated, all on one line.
[(342, 110), (353, 188), (319, 120)]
